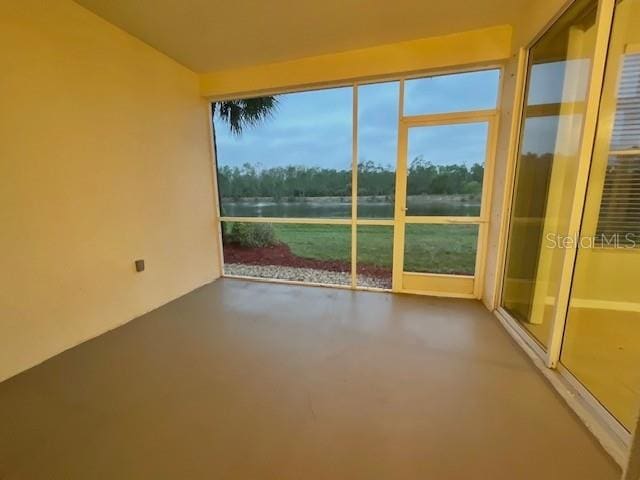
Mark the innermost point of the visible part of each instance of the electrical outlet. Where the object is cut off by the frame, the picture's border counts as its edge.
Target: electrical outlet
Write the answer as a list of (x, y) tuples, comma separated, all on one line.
[(139, 265)]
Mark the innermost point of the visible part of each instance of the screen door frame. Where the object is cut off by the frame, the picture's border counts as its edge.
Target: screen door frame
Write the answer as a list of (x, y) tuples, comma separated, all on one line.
[(437, 284)]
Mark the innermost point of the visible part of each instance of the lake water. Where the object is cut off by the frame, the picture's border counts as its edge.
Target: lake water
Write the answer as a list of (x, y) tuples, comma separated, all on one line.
[(340, 208)]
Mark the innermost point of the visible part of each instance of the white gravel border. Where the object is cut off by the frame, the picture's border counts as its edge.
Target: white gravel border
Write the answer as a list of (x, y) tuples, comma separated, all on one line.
[(297, 274)]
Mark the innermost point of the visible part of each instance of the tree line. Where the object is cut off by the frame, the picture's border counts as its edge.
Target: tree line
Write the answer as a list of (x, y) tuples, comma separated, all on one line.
[(299, 182)]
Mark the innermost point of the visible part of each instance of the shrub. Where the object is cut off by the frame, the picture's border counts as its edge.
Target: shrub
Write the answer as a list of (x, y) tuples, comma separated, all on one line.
[(253, 235)]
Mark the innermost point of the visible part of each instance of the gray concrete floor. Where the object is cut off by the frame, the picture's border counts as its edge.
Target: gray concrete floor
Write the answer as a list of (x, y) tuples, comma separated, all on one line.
[(241, 380)]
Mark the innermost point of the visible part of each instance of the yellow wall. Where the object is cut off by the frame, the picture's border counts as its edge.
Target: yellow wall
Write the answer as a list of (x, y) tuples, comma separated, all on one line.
[(104, 158), (477, 47)]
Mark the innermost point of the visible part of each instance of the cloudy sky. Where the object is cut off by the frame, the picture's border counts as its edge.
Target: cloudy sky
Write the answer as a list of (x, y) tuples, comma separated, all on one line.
[(315, 128)]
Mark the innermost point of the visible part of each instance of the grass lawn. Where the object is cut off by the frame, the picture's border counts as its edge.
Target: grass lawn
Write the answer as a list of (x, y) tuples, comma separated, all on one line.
[(428, 248)]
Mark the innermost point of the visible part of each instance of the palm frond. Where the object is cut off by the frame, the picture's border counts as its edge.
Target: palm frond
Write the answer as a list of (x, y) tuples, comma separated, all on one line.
[(246, 112)]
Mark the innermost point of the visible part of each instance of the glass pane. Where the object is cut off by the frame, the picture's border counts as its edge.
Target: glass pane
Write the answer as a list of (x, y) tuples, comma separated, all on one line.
[(601, 346), (298, 252), (448, 249), (458, 92), (375, 256), (558, 75), (445, 166), (377, 149), (293, 162)]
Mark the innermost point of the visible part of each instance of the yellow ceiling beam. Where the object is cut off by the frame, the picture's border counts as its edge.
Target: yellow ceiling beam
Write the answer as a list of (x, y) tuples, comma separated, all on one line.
[(476, 47)]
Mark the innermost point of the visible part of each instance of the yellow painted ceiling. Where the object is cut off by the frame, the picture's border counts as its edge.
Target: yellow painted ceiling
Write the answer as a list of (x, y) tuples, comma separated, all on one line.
[(210, 35)]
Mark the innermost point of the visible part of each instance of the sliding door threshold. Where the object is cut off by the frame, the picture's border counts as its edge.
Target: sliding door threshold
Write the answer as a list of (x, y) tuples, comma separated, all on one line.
[(608, 431)]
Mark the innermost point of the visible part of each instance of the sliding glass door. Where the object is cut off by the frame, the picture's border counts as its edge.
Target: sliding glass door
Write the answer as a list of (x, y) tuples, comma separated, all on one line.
[(553, 116), (601, 346), (591, 332)]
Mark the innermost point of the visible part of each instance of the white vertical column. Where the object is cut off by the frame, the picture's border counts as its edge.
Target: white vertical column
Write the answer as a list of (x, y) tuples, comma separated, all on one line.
[(214, 186), (400, 197), (354, 191)]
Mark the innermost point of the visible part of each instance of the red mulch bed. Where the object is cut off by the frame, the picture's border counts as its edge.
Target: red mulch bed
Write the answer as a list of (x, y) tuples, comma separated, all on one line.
[(281, 255)]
